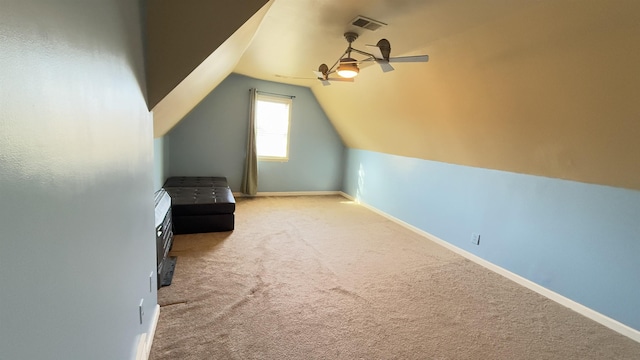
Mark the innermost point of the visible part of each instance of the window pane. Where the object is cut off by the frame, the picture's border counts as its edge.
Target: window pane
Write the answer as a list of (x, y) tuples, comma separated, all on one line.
[(272, 127), (272, 145)]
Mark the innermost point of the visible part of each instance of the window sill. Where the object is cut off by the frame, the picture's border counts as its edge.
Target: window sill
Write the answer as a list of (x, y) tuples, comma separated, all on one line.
[(273, 159)]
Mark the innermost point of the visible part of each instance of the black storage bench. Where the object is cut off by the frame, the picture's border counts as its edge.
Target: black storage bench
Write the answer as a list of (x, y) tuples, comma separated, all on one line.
[(164, 238), (200, 204)]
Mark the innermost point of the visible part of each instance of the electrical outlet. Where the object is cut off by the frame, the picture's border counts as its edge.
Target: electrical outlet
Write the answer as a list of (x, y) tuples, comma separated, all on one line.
[(141, 310), (475, 238)]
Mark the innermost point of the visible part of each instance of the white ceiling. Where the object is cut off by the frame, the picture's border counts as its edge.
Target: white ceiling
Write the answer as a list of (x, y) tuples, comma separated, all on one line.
[(296, 36), (543, 87)]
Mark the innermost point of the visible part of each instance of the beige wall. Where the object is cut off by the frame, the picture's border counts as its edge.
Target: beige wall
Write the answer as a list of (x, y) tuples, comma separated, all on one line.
[(552, 90), (182, 34)]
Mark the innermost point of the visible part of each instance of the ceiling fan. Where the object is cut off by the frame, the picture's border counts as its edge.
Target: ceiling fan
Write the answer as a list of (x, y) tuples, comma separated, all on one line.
[(323, 75), (347, 67)]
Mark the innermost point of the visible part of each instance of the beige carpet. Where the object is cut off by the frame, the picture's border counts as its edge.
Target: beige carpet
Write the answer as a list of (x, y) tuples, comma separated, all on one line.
[(322, 278)]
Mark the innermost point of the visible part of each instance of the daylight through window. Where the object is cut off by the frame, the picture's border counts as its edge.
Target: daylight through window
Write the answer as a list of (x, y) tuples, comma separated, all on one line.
[(273, 119)]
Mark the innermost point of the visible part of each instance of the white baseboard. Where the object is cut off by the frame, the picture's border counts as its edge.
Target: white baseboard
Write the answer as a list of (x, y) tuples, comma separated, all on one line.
[(577, 307), (290, 193), (349, 197), (146, 339)]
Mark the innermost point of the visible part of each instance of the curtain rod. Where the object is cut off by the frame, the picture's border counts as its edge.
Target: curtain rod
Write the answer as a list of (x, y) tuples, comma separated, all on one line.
[(274, 94)]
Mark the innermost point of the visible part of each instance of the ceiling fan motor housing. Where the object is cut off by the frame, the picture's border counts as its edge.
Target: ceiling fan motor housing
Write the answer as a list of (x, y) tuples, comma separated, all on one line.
[(350, 36)]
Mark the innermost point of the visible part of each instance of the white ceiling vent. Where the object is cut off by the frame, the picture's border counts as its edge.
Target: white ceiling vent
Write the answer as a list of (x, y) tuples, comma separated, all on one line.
[(367, 23)]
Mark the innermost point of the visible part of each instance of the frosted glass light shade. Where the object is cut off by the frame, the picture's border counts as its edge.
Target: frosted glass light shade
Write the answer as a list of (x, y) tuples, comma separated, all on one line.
[(348, 68)]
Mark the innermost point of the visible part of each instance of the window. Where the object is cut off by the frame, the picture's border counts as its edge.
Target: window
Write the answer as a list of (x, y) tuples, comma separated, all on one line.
[(273, 119)]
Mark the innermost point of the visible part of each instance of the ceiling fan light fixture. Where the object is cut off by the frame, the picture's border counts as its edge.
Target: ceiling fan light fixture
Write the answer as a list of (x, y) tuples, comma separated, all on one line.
[(348, 68)]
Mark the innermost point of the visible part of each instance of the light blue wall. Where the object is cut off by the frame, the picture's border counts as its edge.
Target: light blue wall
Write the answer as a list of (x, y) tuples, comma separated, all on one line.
[(579, 240), (160, 167), (77, 243), (211, 140)]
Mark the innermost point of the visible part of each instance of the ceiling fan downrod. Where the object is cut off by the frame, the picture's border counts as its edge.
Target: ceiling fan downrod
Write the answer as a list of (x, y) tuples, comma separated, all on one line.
[(347, 66)]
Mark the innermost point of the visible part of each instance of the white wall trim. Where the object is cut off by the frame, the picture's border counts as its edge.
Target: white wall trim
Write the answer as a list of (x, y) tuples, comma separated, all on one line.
[(564, 301), (146, 339), (140, 349), (290, 193), (349, 197)]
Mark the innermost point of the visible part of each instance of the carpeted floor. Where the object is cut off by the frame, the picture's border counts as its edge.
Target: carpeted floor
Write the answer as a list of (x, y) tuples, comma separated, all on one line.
[(322, 278)]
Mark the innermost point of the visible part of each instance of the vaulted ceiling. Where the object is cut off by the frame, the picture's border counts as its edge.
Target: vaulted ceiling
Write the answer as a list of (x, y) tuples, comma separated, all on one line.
[(543, 87)]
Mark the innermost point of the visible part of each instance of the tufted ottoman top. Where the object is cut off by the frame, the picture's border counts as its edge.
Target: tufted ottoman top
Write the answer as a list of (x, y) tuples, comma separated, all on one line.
[(189, 201), (196, 181)]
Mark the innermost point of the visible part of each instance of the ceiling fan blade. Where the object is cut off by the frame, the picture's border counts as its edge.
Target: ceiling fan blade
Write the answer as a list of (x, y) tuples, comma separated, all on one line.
[(318, 74), (325, 82), (417, 58), (375, 51), (385, 66)]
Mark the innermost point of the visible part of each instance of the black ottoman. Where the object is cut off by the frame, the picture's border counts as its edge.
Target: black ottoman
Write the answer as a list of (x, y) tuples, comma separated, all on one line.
[(196, 181), (201, 204)]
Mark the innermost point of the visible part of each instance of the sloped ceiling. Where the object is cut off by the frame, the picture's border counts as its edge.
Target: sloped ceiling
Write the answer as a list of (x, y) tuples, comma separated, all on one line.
[(544, 87), (193, 45)]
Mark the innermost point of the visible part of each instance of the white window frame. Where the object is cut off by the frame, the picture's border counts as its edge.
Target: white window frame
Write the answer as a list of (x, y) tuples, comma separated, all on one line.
[(274, 99)]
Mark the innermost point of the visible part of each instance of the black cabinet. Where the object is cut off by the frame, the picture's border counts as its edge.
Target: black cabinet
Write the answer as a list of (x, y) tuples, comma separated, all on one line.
[(164, 237)]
